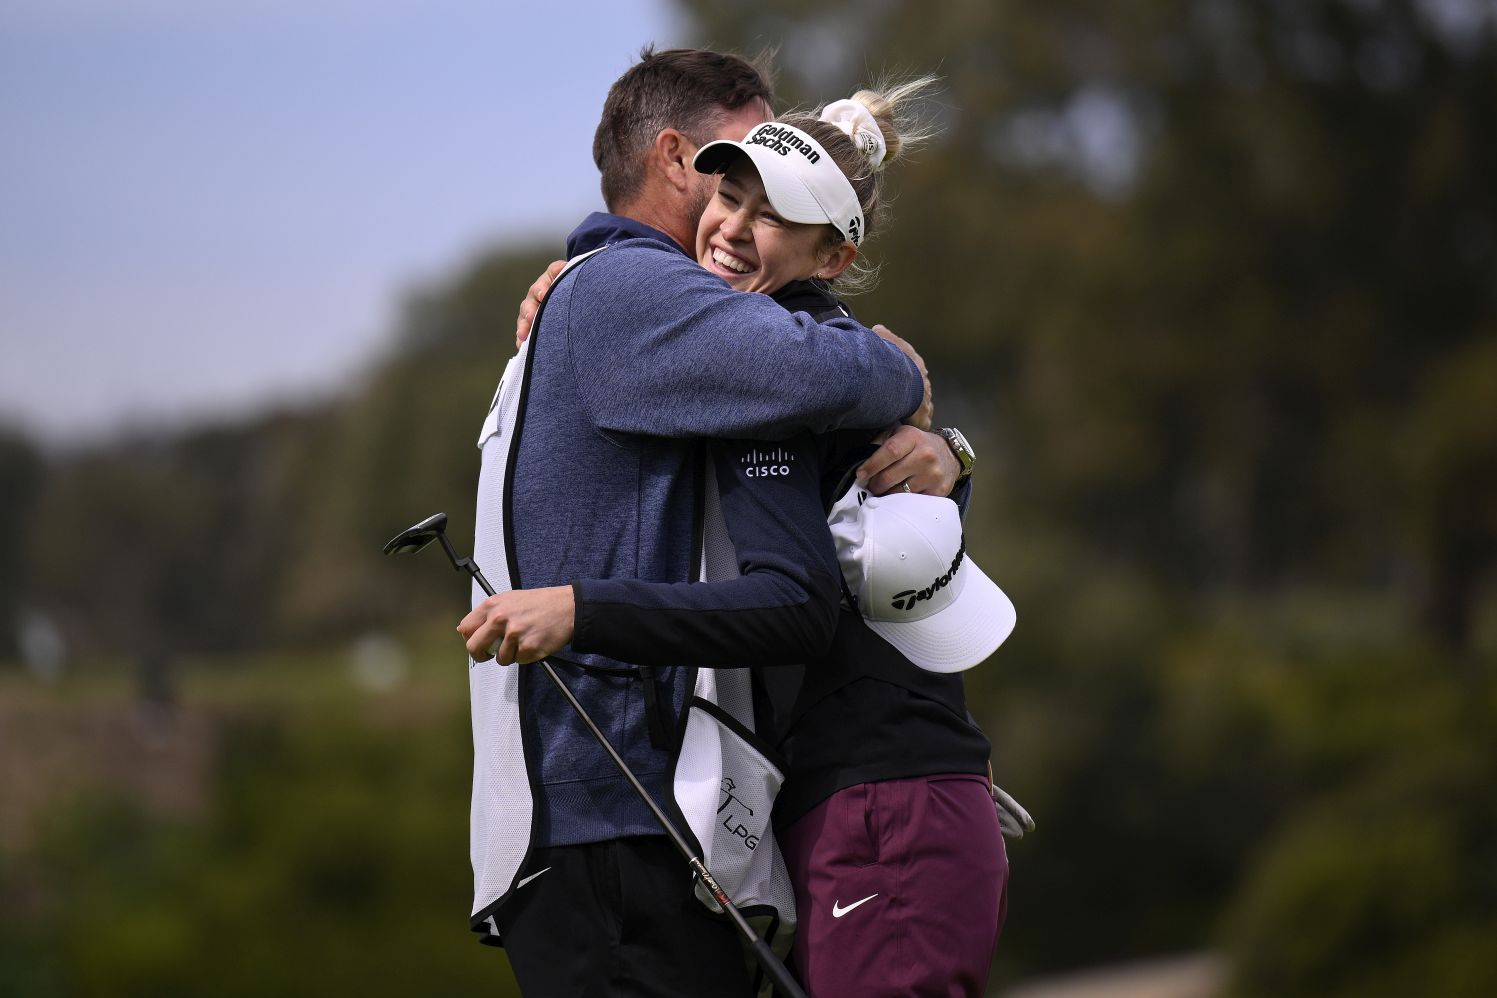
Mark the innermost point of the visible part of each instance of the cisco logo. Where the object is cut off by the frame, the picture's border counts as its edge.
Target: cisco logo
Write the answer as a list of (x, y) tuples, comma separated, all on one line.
[(767, 463)]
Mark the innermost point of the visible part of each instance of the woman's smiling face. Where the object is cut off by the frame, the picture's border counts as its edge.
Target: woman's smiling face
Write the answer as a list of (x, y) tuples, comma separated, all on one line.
[(743, 240)]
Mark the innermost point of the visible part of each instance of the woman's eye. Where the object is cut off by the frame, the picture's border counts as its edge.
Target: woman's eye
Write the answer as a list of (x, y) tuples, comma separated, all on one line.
[(774, 220), (727, 198)]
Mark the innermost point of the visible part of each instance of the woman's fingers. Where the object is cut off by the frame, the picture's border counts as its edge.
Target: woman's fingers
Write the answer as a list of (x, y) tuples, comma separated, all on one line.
[(917, 458)]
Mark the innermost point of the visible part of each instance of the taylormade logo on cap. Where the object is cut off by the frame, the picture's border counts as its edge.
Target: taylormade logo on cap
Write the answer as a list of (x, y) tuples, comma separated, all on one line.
[(907, 599), (904, 559)]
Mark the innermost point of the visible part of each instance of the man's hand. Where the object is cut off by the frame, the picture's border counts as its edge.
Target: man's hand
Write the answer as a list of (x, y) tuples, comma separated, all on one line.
[(921, 417), (533, 299), (521, 626), (907, 456)]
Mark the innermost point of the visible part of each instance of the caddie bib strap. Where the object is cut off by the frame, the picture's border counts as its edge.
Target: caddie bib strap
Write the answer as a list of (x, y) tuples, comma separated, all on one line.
[(503, 808), (519, 419)]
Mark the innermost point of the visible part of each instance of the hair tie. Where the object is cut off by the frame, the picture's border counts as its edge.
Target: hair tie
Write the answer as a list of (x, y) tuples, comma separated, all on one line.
[(858, 122)]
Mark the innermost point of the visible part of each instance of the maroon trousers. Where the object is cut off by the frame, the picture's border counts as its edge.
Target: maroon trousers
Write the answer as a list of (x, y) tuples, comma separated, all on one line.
[(901, 889)]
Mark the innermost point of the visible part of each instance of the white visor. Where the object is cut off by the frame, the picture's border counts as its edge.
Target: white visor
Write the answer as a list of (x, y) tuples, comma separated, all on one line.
[(802, 182), (905, 562)]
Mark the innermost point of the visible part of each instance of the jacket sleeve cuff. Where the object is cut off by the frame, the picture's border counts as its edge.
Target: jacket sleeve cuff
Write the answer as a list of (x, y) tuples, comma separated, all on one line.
[(962, 495), (584, 623)]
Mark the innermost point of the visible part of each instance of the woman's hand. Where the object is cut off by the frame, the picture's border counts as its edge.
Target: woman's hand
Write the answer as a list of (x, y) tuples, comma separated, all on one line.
[(533, 299), (907, 456), (521, 626)]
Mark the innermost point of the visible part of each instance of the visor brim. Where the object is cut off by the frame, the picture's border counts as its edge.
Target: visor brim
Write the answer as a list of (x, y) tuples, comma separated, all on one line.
[(787, 192)]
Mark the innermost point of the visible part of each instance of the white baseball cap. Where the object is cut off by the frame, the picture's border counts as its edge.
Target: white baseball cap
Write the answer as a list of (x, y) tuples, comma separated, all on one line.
[(802, 182), (905, 562)]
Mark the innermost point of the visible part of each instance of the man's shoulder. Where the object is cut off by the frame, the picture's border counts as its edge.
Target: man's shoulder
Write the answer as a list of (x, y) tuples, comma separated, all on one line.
[(642, 274), (639, 258)]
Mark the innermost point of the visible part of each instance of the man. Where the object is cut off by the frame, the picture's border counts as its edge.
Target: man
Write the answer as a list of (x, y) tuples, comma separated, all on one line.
[(594, 471)]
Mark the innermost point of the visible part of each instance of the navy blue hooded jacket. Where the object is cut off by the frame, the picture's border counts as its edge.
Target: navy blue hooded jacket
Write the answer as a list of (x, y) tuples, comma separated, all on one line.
[(639, 356)]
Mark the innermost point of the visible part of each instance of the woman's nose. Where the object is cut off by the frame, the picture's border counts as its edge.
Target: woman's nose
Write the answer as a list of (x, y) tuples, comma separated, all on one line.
[(735, 226)]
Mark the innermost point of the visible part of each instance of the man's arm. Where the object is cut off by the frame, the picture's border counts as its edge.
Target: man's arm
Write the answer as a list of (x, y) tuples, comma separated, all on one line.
[(660, 347), (781, 609), (920, 459)]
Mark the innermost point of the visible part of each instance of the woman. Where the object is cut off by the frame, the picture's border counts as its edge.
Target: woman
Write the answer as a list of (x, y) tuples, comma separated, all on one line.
[(885, 817), (886, 803)]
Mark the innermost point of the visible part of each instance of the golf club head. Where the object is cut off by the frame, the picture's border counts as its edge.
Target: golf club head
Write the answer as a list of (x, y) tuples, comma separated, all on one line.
[(413, 539)]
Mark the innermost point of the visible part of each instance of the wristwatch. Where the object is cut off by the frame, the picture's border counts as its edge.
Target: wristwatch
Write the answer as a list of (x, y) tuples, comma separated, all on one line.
[(961, 449)]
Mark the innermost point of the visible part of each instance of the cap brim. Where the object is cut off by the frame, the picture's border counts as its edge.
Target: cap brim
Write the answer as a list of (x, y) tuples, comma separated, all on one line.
[(787, 192), (717, 155), (959, 636)]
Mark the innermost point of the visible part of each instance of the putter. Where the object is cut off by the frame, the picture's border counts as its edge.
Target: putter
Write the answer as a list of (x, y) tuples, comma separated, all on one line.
[(434, 528)]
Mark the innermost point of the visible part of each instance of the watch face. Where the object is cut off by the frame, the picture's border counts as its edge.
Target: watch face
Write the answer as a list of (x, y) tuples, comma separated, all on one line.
[(959, 445)]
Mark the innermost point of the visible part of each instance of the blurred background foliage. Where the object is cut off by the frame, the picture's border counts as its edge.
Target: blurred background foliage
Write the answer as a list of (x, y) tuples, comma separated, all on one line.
[(1212, 286)]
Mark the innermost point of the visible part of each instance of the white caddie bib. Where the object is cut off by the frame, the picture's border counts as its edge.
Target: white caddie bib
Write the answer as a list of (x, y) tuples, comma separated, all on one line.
[(724, 784)]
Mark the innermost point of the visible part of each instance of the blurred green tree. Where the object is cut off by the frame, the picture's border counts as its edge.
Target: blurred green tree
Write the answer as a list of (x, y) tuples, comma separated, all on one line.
[(22, 472), (329, 862), (1206, 254)]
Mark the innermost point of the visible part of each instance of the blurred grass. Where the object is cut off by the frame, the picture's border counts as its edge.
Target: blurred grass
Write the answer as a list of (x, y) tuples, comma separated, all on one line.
[(279, 829), (1289, 782)]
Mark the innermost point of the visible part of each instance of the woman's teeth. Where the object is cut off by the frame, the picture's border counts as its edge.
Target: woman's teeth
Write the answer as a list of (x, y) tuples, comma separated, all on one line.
[(730, 262)]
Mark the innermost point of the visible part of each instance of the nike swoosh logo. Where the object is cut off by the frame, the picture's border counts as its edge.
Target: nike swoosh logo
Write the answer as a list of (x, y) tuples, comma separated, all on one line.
[(838, 911), (529, 878)]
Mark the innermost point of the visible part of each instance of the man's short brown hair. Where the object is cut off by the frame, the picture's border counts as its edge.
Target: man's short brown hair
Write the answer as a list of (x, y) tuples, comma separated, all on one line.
[(690, 90)]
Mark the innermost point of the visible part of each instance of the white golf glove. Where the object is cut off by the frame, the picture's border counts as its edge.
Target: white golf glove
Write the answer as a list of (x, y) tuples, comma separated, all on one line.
[(1012, 818)]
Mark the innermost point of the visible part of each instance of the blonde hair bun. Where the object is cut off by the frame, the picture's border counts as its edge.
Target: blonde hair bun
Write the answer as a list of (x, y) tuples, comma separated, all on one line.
[(896, 108)]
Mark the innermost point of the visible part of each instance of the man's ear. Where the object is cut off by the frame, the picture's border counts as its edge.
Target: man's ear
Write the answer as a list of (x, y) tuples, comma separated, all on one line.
[(672, 155), (837, 261)]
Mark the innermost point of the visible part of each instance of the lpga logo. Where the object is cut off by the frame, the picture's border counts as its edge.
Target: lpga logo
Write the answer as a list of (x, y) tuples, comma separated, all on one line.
[(906, 600), (731, 821)]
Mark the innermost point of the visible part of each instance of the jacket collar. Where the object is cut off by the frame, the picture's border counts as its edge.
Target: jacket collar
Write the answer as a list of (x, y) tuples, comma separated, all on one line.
[(600, 229)]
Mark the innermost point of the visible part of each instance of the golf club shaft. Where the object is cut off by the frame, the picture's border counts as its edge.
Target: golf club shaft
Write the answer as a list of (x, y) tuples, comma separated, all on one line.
[(772, 964)]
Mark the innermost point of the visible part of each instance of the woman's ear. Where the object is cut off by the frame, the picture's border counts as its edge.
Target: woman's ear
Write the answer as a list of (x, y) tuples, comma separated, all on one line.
[(837, 261)]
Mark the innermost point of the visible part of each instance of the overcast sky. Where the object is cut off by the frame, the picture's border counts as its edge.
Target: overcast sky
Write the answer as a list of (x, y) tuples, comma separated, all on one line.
[(205, 207)]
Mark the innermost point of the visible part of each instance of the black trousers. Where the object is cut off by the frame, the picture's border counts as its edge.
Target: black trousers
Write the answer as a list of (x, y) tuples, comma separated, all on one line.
[(618, 920)]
